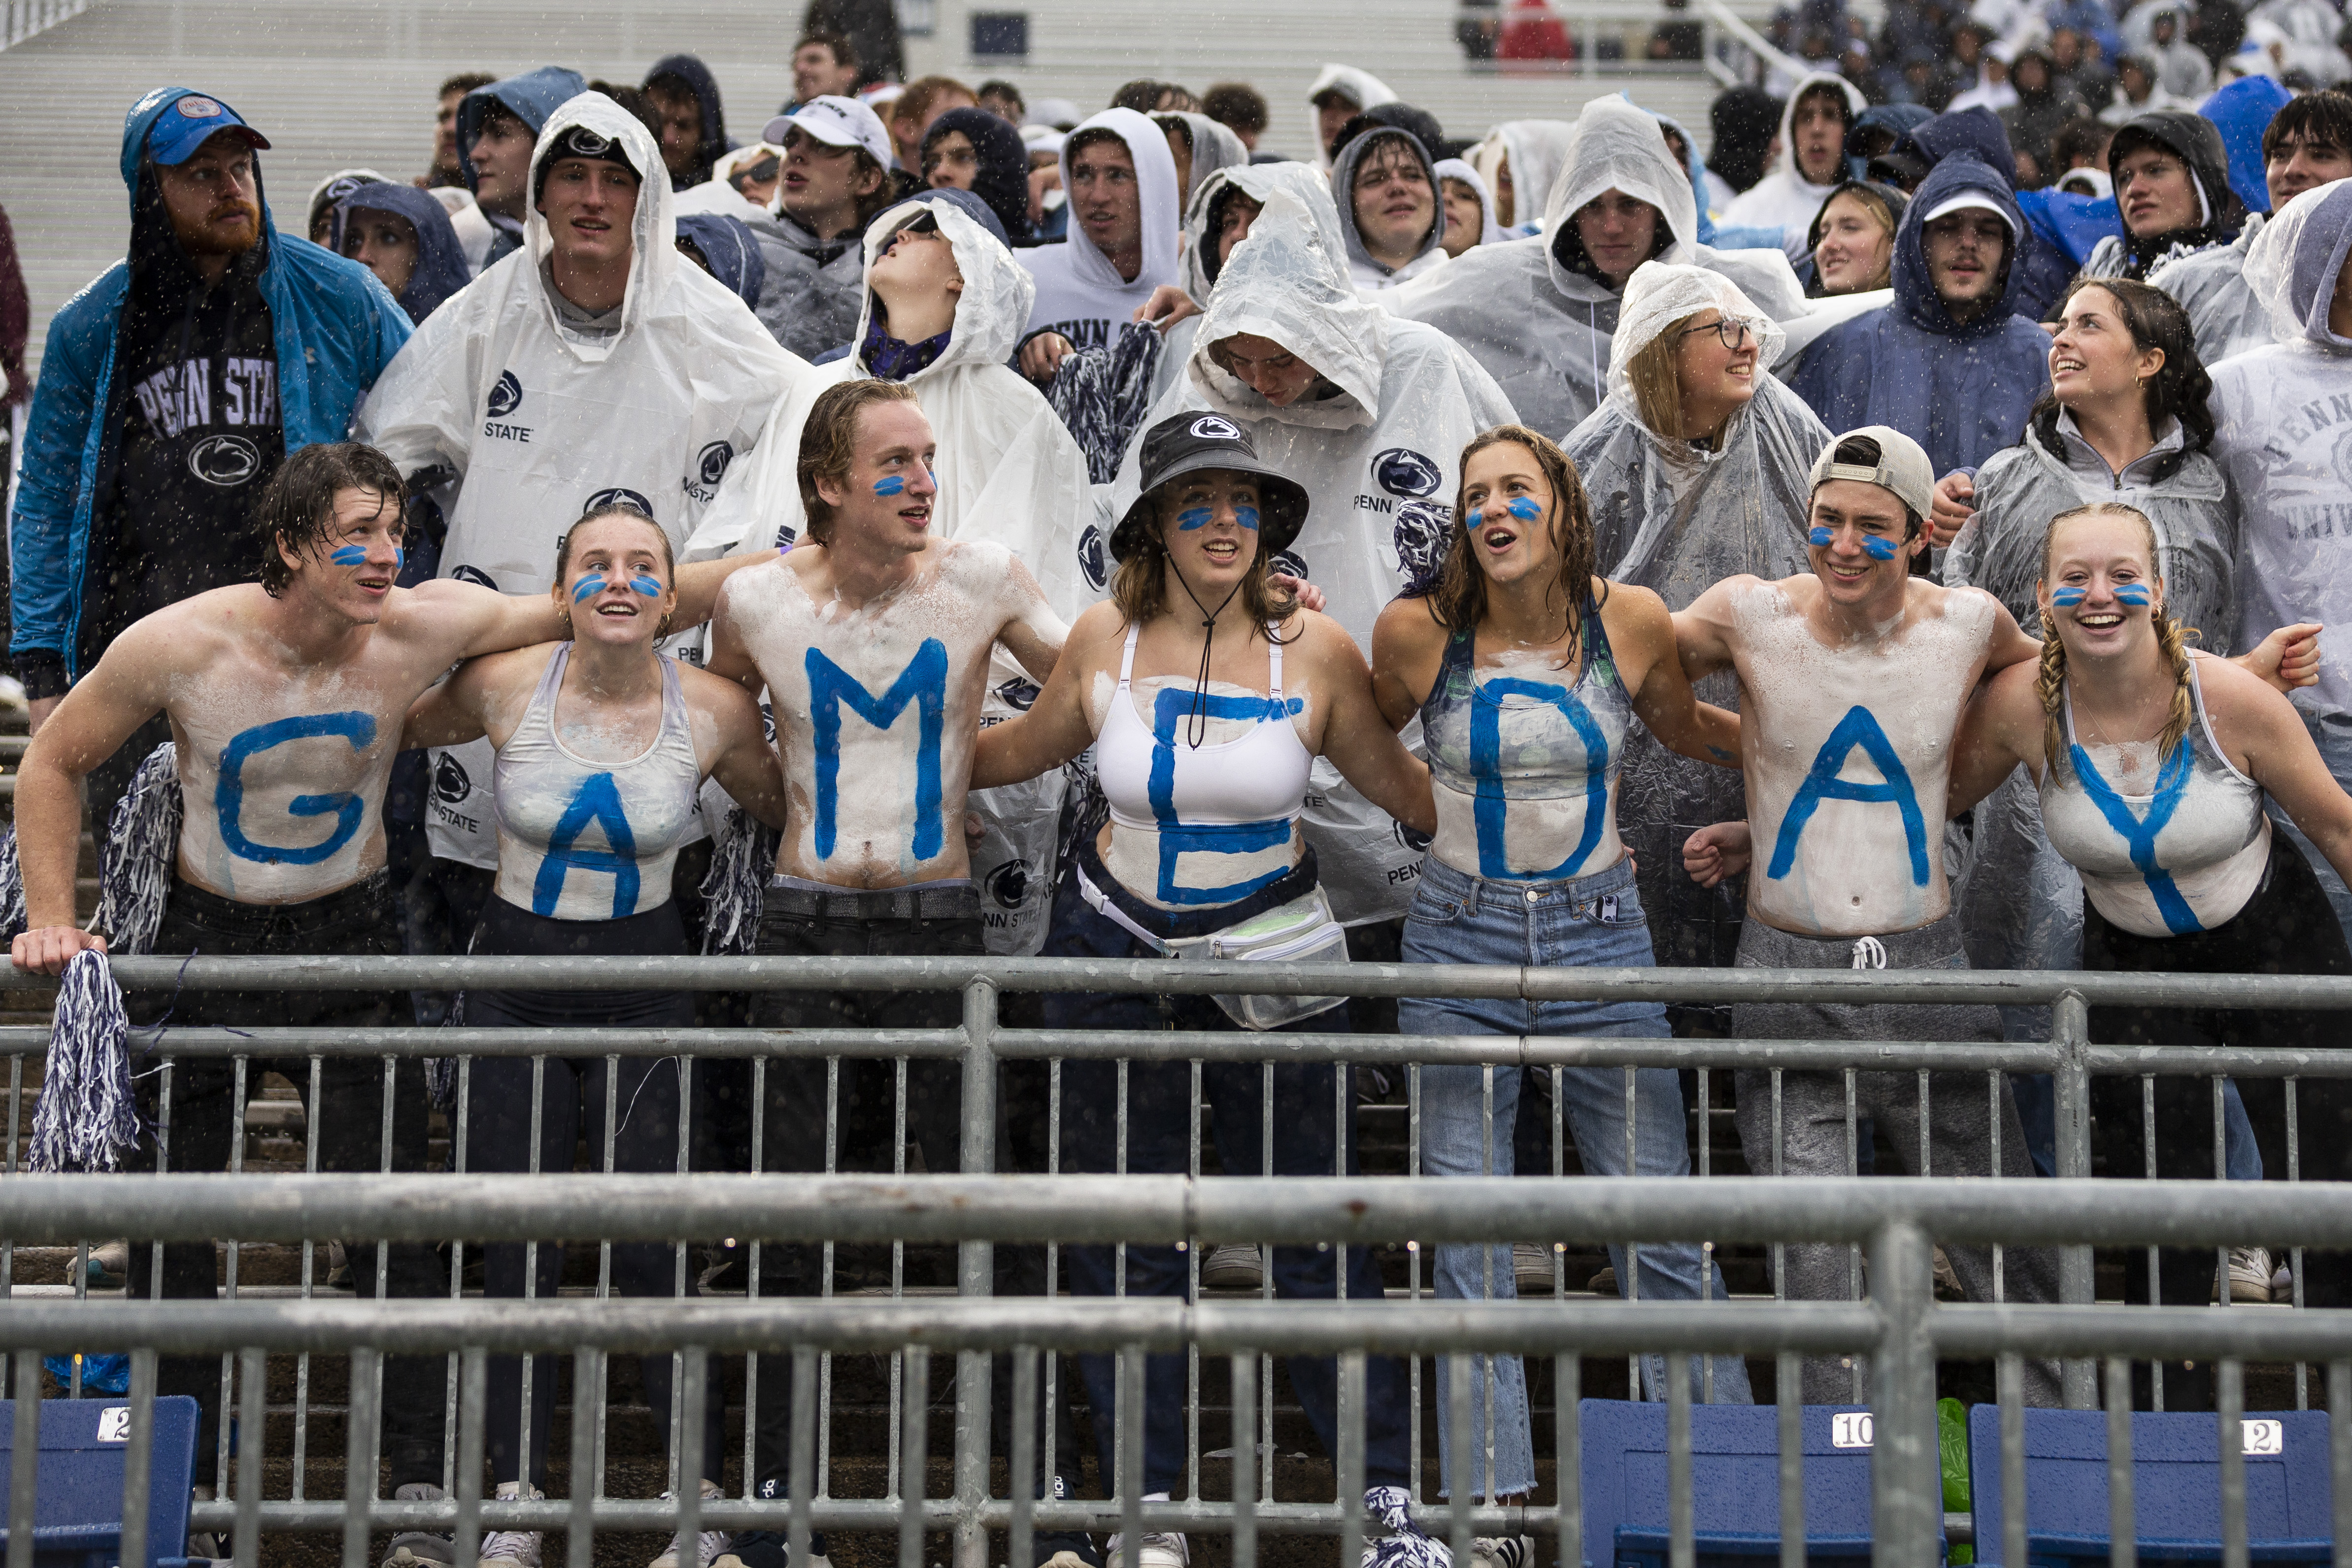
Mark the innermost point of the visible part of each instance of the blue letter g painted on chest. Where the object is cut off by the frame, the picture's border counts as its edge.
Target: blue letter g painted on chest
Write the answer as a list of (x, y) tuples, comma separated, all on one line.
[(924, 683), (228, 793), (1822, 783)]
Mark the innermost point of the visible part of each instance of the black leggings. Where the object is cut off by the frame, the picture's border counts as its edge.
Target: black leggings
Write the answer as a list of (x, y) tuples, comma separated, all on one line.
[(2287, 928), (573, 1099)]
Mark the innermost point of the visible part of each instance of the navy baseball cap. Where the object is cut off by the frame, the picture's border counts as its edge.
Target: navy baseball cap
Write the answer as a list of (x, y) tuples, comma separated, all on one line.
[(189, 123)]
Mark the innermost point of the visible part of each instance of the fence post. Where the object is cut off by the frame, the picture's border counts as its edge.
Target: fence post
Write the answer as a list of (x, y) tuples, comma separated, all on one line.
[(2077, 1286), (975, 1270), (1906, 1476)]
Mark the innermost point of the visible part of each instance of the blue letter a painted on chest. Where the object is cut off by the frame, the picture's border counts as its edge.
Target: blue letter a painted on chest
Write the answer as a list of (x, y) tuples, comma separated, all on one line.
[(1822, 783), (597, 801), (924, 683)]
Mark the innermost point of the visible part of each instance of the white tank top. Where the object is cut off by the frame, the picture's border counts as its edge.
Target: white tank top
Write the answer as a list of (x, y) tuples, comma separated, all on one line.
[(2183, 859), (1233, 798), (580, 840)]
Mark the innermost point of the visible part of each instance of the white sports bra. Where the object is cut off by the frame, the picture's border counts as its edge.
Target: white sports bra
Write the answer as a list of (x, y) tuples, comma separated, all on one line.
[(580, 840), (1232, 798)]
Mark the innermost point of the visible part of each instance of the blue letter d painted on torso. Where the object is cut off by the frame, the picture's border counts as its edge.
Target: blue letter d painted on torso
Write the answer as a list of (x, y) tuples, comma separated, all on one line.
[(228, 791), (1822, 783), (924, 683)]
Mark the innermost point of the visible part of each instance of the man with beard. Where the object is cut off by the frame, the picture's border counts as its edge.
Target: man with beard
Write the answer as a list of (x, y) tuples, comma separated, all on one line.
[(170, 390)]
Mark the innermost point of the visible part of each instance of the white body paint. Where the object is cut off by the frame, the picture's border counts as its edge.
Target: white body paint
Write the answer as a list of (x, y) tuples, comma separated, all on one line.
[(1852, 871)]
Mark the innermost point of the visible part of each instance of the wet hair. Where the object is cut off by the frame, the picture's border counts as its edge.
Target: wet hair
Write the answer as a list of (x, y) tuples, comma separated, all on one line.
[(1828, 90), (829, 443), (1864, 452), (2316, 119), (844, 53), (1139, 586), (1144, 95), (596, 515), (1081, 140), (1238, 105), (1458, 600), (2180, 388), (296, 511), (2172, 639)]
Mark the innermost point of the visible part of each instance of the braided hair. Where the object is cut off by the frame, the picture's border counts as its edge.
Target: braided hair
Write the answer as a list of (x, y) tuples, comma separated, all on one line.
[(2172, 639)]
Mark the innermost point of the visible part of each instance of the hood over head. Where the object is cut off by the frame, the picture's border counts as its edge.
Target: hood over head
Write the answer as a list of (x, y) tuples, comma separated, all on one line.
[(1361, 87), (1893, 201), (2241, 112), (971, 205), (161, 275), (1975, 130), (1155, 184), (1694, 166), (441, 268), (1287, 284), (1617, 147), (1786, 163), (2294, 261), (705, 87), (998, 291), (1258, 182), (1960, 175), (1410, 118), (1536, 150), (1897, 118), (530, 98), (329, 192), (2196, 142), (1343, 183), (1002, 177), (727, 244), (653, 232), (1489, 232), (1742, 119), (1660, 294)]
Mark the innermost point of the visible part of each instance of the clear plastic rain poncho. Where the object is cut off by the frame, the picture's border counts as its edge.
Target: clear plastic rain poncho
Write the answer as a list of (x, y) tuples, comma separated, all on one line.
[(1539, 323), (2210, 285), (1534, 150), (1676, 519), (1379, 453), (2284, 439), (1008, 473), (2020, 906)]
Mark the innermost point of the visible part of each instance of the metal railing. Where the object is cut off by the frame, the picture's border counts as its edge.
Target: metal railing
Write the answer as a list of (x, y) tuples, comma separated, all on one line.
[(1899, 1331)]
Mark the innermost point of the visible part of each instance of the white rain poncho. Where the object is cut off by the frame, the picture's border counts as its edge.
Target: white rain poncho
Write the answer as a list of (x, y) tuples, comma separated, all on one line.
[(1214, 145), (1361, 87), (541, 420), (1541, 326), (2020, 906), (2210, 285), (1534, 152), (1198, 274), (1784, 197), (1080, 294), (1379, 455), (2283, 438), (1489, 231), (1673, 517), (1008, 473), (1371, 274)]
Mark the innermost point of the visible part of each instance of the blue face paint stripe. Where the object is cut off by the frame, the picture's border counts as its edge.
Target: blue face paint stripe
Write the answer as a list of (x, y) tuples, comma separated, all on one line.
[(2067, 597), (1177, 837), (1858, 727), (891, 485), (228, 791), (1247, 517), (348, 555), (1872, 546), (597, 801), (2139, 833), (1524, 508), (647, 586), (924, 682), (587, 588), (2135, 594), (1194, 518), (1491, 811)]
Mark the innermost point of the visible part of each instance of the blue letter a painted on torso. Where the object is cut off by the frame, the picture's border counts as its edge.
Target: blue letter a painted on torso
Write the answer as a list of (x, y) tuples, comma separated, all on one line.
[(1822, 783), (596, 801), (924, 683)]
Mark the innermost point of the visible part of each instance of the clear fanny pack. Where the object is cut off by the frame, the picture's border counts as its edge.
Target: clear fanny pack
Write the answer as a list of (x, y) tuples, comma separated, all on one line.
[(1302, 931)]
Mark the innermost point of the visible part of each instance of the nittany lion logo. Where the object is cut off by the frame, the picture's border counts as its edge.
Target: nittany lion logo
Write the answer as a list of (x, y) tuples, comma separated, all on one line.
[(712, 464), (1008, 885), (225, 460), (1404, 473), (618, 496), (476, 576), (1417, 842), (1209, 427), (1291, 565), (1092, 557), (1018, 693), (449, 781), (505, 397)]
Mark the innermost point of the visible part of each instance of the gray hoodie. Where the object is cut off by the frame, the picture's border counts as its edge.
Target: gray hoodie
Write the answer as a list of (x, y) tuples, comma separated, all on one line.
[(1371, 274), (815, 288)]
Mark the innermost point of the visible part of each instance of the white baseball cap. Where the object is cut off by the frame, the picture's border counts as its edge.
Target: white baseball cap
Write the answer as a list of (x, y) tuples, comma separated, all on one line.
[(1902, 468), (1968, 200), (837, 122)]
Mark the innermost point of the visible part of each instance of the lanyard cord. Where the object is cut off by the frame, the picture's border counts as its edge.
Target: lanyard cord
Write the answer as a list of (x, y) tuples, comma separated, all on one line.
[(1196, 720)]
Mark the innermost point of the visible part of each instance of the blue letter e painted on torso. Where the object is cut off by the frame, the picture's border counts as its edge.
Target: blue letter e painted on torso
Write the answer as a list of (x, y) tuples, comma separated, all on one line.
[(1822, 783), (924, 683), (597, 801), (228, 792)]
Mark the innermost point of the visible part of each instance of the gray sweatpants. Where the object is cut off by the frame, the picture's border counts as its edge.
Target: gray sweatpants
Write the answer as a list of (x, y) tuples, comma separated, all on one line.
[(1813, 1115)]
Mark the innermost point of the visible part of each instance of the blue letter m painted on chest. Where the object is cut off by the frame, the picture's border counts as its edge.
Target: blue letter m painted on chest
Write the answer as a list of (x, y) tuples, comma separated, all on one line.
[(924, 683), (1822, 783)]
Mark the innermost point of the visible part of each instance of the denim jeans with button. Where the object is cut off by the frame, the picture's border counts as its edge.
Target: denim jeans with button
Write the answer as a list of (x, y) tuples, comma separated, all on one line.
[(1589, 922)]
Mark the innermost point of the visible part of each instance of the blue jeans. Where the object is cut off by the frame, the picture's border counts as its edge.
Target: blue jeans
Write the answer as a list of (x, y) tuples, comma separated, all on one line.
[(1592, 921)]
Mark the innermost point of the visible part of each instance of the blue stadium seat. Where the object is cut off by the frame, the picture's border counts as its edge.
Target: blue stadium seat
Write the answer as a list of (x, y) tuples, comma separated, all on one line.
[(2176, 1486), (1735, 1484), (77, 1516)]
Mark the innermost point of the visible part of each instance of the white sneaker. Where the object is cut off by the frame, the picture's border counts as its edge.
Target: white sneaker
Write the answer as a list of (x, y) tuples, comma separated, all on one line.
[(707, 1545), (1232, 1266), (1160, 1551), (1531, 1269), (518, 1548), (2249, 1275)]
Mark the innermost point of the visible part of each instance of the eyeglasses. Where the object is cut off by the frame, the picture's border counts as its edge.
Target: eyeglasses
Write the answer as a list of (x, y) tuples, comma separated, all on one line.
[(1732, 329)]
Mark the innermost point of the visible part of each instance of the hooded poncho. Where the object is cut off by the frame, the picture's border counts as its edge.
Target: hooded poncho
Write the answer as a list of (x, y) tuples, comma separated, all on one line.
[(1676, 519), (1539, 324), (2210, 285), (1213, 145), (530, 98), (1080, 294), (698, 80), (1962, 390), (1378, 454), (727, 245), (1784, 198), (1002, 177), (1361, 87), (1367, 273), (542, 418), (1489, 231), (1529, 154), (440, 269), (2192, 139)]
